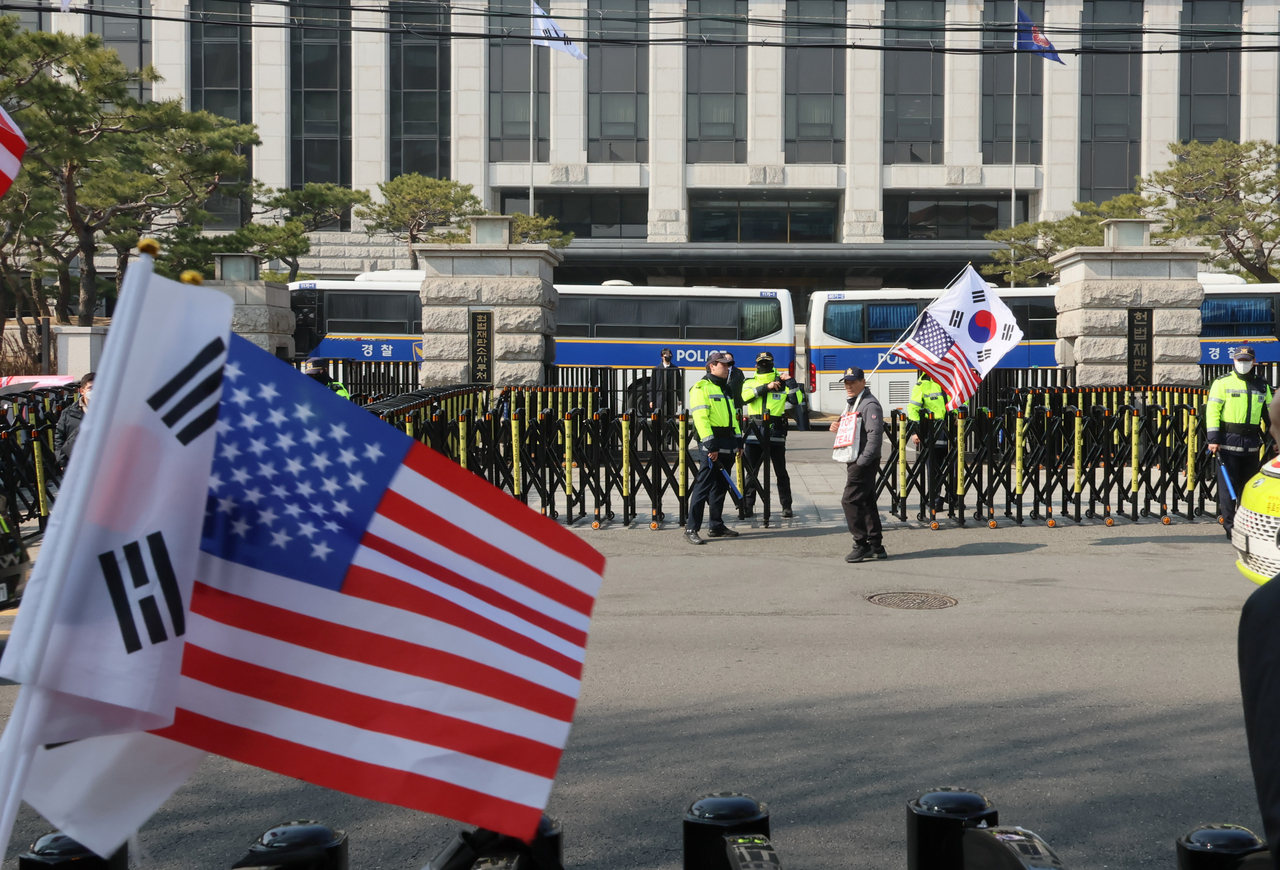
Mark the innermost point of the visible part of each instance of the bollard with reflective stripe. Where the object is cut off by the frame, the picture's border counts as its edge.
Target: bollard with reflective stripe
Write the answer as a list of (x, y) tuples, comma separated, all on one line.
[(568, 460), (902, 464), (1077, 466), (462, 440), (516, 474)]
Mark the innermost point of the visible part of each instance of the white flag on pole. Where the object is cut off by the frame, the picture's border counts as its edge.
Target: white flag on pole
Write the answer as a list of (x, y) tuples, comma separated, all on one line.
[(98, 642), (551, 34), (977, 320)]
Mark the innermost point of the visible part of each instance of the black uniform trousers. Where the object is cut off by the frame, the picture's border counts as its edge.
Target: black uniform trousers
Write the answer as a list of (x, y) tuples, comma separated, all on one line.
[(777, 454), (935, 479), (859, 503), (1240, 467), (709, 489)]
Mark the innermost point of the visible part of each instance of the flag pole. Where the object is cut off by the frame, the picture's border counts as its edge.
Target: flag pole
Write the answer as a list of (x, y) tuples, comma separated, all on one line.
[(1013, 138), (908, 330), (533, 84)]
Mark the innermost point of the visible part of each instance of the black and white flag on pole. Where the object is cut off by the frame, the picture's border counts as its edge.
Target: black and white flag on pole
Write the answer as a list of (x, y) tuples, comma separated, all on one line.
[(98, 642), (547, 32)]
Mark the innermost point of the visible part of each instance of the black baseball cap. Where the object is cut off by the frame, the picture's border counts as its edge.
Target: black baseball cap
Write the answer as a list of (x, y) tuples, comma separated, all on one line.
[(1245, 354), (764, 356), (853, 373)]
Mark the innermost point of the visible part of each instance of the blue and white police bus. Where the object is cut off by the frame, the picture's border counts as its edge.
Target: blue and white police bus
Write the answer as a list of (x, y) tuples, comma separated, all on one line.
[(378, 316), (859, 327)]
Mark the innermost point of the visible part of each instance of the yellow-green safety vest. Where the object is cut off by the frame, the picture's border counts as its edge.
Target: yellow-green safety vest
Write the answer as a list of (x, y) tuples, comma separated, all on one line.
[(1236, 405), (775, 402), (712, 410), (927, 397)]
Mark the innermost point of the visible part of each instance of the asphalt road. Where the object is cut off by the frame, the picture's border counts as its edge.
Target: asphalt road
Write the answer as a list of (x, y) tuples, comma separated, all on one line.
[(1086, 683)]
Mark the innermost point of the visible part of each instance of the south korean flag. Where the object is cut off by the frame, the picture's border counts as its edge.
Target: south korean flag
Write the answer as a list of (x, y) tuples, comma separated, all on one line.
[(977, 320), (98, 642)]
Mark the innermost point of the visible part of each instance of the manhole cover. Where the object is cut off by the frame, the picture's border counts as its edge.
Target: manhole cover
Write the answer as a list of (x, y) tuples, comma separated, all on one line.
[(913, 600)]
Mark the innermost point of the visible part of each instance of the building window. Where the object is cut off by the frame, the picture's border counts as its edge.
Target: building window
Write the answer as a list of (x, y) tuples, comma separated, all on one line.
[(1110, 99), (1209, 108), (762, 220), (130, 37), (221, 84), (618, 82), (509, 87), (814, 82), (321, 93), (948, 216), (587, 215), (717, 82), (913, 81), (997, 88), (1227, 318), (36, 20), (420, 89)]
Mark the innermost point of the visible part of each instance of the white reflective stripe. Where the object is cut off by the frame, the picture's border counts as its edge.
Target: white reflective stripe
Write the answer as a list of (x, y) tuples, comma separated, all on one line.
[(699, 407), (1219, 401)]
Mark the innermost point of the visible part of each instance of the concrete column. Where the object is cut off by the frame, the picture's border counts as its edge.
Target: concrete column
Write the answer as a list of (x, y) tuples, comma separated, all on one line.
[(1259, 75), (765, 98), (1160, 84), (469, 118), (962, 107), (170, 51), (69, 22), (864, 111), (569, 90), (668, 202), (370, 87), (271, 95), (1061, 159)]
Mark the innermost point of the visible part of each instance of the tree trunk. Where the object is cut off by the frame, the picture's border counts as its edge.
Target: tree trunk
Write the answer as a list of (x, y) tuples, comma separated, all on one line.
[(413, 255), (62, 307), (122, 264), (88, 277), (37, 293), (293, 269)]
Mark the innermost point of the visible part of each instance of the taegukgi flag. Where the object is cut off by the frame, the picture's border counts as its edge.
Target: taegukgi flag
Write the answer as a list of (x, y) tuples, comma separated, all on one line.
[(977, 320), (98, 642), (551, 34)]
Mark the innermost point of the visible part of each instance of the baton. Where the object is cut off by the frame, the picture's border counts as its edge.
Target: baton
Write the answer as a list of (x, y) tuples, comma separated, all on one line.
[(1231, 490)]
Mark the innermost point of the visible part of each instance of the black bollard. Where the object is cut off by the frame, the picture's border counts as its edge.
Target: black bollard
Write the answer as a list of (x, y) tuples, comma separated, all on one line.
[(300, 845), (711, 818), (1222, 847), (935, 822), (59, 850), (489, 849), (1007, 849)]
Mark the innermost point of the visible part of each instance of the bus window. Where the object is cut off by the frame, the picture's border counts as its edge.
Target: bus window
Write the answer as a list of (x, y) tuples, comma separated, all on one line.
[(1037, 319), (760, 317), (385, 313), (888, 321), (628, 317), (843, 320), (712, 319), (1231, 317), (573, 316)]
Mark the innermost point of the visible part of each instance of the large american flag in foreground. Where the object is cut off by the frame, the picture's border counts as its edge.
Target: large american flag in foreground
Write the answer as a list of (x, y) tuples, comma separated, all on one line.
[(13, 145), (371, 618), (931, 348)]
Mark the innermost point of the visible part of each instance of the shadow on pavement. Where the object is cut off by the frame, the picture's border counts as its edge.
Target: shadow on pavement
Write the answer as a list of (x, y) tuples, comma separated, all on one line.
[(995, 548)]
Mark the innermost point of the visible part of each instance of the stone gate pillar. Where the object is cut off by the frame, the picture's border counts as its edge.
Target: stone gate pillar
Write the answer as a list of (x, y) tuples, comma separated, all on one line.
[(1105, 297)]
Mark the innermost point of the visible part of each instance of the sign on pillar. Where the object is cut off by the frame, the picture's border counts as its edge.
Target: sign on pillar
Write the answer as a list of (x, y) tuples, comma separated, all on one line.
[(481, 329), (1141, 353)]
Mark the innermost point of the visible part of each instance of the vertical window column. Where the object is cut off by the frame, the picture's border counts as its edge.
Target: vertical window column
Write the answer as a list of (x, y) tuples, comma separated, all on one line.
[(716, 85), (1209, 103), (221, 82), (420, 89), (320, 67), (509, 87), (913, 81), (999, 128), (1110, 100), (618, 82), (129, 35), (814, 80)]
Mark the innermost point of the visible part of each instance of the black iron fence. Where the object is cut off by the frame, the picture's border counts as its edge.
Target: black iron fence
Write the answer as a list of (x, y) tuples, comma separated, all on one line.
[(31, 471)]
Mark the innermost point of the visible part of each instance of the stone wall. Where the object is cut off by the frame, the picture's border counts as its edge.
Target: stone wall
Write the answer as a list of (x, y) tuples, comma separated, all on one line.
[(1098, 285), (262, 313)]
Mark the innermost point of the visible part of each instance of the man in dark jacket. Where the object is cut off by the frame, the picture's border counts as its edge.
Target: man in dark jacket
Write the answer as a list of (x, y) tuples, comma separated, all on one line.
[(666, 386), (68, 428), (859, 500)]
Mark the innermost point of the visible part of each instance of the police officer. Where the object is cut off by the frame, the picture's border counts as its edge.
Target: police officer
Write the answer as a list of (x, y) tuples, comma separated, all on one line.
[(316, 369), (716, 421), (767, 391), (736, 379), (859, 499), (928, 398), (1236, 417)]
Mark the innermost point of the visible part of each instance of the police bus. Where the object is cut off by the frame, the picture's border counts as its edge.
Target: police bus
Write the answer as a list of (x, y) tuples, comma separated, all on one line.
[(378, 316), (859, 327)]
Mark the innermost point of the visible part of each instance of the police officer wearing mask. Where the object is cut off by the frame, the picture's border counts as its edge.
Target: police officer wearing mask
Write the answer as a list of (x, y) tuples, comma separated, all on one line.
[(768, 392), (736, 379), (928, 398), (1236, 418), (317, 370), (716, 421), (859, 499)]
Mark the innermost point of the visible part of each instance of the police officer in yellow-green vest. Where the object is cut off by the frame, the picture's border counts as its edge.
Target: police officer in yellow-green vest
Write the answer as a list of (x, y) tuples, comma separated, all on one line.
[(766, 392), (928, 398), (1236, 419), (716, 420), (317, 370)]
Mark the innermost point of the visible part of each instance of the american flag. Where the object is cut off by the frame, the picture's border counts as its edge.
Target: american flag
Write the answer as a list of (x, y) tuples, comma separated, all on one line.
[(371, 618), (13, 145), (932, 349)]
